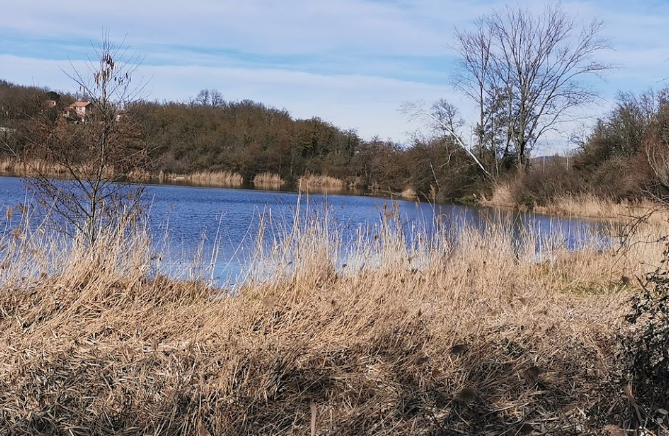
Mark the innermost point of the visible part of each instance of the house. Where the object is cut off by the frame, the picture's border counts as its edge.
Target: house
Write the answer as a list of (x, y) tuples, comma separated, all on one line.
[(79, 111)]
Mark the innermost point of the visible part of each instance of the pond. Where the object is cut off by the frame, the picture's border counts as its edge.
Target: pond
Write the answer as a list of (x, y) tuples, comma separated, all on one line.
[(224, 224)]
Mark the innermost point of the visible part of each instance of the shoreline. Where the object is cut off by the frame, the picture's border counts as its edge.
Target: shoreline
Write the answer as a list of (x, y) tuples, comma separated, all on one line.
[(579, 206)]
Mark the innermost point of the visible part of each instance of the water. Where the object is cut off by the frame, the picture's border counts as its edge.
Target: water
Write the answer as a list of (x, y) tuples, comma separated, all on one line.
[(225, 222)]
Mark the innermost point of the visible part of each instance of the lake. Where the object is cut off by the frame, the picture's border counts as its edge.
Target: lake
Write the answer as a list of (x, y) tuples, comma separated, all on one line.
[(225, 222)]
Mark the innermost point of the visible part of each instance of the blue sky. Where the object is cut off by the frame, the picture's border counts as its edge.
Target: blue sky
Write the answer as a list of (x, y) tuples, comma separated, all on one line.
[(350, 62)]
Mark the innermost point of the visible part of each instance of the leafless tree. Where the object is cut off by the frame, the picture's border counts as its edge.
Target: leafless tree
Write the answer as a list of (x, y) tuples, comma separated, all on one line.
[(208, 97), (524, 71), (445, 119), (475, 74), (96, 150), (656, 140)]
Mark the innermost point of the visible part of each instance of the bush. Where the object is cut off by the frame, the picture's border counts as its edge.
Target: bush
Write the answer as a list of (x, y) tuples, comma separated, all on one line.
[(646, 347), (543, 183)]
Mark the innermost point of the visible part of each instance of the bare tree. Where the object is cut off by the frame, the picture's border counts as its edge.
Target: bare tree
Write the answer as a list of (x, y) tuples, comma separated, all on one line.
[(445, 119), (208, 97), (95, 144), (656, 141), (523, 71), (474, 75)]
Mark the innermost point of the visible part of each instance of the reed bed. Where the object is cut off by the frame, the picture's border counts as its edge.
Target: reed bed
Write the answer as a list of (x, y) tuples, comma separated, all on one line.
[(410, 194), (583, 206), (224, 179), (601, 208), (41, 168), (268, 181), (460, 333), (501, 197), (30, 168), (311, 181)]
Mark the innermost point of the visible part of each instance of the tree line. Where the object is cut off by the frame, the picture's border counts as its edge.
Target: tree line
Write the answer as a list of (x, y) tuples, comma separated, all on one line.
[(621, 157), (208, 133)]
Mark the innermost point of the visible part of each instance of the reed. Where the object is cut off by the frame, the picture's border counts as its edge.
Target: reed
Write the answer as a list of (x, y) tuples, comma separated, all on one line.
[(501, 196), (42, 168), (268, 181), (401, 333), (411, 194), (319, 181), (35, 167), (140, 176), (583, 206), (591, 206), (224, 179), (31, 168)]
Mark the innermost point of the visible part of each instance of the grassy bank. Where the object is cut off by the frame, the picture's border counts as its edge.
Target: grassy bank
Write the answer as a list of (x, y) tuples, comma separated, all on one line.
[(466, 335), (582, 205)]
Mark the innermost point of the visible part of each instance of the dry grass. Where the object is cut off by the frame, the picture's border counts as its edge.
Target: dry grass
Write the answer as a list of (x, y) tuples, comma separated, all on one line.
[(584, 206), (409, 194), (320, 182), (595, 207), (30, 168), (140, 176), (455, 335), (223, 179), (502, 196), (268, 181), (6, 166)]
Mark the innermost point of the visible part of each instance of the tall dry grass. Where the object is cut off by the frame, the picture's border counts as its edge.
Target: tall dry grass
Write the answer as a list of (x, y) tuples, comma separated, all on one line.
[(224, 179), (463, 333), (29, 168), (591, 206), (501, 196), (318, 181), (583, 206), (268, 181), (43, 168)]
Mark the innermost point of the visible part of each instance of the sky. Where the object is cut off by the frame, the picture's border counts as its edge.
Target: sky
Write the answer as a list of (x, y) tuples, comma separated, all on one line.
[(352, 63)]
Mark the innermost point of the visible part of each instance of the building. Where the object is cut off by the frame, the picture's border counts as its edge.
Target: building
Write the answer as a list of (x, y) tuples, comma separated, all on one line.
[(121, 115), (79, 111)]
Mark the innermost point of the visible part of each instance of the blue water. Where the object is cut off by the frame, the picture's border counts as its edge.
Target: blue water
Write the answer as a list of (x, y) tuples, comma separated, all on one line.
[(225, 222)]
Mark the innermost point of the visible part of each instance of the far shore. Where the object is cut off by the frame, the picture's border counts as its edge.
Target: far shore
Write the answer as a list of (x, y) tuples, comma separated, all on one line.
[(578, 206)]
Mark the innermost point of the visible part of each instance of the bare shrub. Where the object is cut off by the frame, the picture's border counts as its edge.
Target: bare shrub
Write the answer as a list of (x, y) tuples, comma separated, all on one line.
[(96, 148)]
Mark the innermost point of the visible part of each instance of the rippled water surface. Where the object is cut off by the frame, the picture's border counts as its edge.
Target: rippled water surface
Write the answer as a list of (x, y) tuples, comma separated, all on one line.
[(225, 222)]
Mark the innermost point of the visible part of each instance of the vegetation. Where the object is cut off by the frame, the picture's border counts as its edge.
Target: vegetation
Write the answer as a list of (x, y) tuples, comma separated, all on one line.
[(473, 332), (624, 158), (90, 143), (98, 341), (524, 71)]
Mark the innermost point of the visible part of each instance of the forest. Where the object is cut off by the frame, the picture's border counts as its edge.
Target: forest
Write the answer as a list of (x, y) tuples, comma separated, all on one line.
[(622, 157)]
